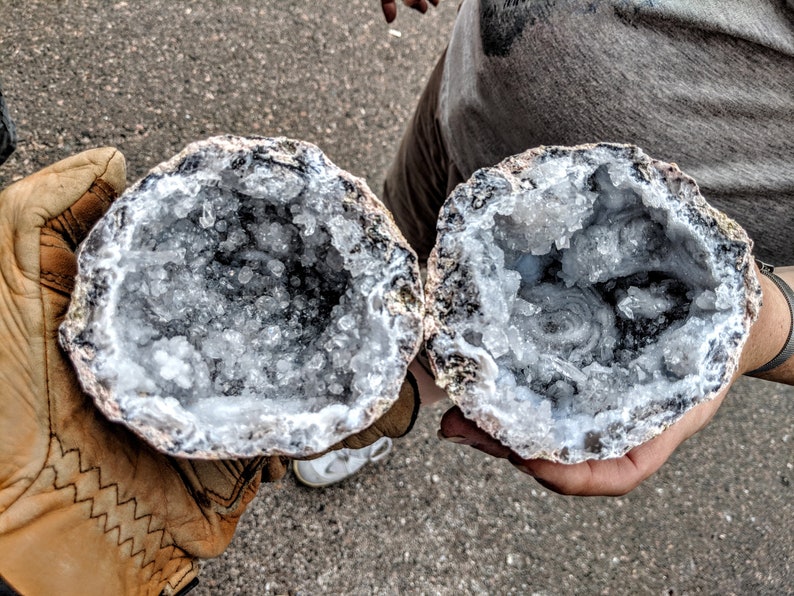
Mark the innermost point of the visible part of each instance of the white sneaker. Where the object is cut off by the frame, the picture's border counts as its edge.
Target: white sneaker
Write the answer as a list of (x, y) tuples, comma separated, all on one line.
[(335, 466)]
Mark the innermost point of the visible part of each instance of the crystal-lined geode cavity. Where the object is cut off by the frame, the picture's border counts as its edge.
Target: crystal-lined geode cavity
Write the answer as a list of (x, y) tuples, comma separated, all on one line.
[(247, 297), (581, 300)]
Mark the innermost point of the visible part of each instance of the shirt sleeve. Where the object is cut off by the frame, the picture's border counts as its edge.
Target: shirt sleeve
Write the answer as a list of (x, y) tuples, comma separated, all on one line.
[(8, 132)]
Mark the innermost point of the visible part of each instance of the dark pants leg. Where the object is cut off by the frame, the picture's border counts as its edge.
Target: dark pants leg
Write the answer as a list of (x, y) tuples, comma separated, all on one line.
[(8, 133), (422, 174)]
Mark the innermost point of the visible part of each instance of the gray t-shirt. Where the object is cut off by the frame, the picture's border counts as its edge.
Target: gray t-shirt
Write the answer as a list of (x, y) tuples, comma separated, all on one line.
[(707, 84)]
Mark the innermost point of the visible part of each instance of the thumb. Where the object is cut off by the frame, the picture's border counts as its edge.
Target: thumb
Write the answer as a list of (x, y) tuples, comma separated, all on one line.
[(456, 428), (87, 185), (59, 186), (28, 205)]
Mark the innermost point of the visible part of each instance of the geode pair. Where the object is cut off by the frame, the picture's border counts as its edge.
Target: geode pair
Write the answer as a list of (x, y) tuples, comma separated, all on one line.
[(248, 297)]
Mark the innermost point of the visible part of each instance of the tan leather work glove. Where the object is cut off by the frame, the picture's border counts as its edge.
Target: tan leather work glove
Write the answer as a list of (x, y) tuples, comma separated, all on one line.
[(395, 423), (85, 506)]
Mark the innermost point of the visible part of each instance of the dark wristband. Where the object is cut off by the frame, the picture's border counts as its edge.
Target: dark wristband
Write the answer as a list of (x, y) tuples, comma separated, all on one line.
[(788, 348)]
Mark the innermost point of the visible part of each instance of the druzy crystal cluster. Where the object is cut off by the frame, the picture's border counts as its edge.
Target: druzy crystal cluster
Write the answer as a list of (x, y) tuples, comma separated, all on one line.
[(580, 300), (247, 297)]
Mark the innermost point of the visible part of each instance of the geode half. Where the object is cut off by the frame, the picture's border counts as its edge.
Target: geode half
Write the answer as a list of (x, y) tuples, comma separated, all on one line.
[(247, 297), (581, 300)]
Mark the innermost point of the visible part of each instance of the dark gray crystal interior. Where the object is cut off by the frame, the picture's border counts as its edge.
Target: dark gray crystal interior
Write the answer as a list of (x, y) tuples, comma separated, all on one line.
[(247, 297), (582, 300), (237, 280)]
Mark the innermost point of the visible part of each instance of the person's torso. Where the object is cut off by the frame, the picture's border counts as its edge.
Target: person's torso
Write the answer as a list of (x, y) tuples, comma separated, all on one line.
[(708, 85)]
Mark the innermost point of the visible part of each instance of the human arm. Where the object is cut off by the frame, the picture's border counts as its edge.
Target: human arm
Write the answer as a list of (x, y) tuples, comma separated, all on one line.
[(390, 7), (621, 475)]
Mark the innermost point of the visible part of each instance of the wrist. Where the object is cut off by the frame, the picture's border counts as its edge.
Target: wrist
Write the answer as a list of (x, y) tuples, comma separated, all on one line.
[(770, 333)]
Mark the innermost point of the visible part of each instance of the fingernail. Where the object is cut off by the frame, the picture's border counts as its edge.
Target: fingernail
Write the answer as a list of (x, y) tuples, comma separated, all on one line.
[(455, 439)]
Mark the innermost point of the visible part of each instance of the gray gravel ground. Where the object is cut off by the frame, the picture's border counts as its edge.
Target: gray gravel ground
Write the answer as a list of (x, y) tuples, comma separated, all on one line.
[(148, 77)]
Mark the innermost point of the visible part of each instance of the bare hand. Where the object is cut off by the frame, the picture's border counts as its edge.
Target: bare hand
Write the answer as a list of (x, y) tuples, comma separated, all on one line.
[(390, 7), (619, 476), (610, 477)]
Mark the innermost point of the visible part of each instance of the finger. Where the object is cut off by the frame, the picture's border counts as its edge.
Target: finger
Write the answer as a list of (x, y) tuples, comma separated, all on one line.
[(611, 477), (396, 422), (49, 192), (401, 417), (29, 204), (456, 428), (61, 235), (275, 469), (204, 499), (420, 5), (615, 477), (389, 10), (223, 486)]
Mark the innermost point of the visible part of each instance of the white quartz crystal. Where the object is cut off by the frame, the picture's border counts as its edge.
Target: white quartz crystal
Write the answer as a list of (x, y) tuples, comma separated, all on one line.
[(247, 297), (581, 300)]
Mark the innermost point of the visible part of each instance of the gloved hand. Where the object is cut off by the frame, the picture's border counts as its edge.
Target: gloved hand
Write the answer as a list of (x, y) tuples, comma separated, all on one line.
[(85, 506), (395, 423)]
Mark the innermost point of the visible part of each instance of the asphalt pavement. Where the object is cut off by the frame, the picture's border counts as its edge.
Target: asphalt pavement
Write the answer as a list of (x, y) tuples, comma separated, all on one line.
[(435, 518)]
